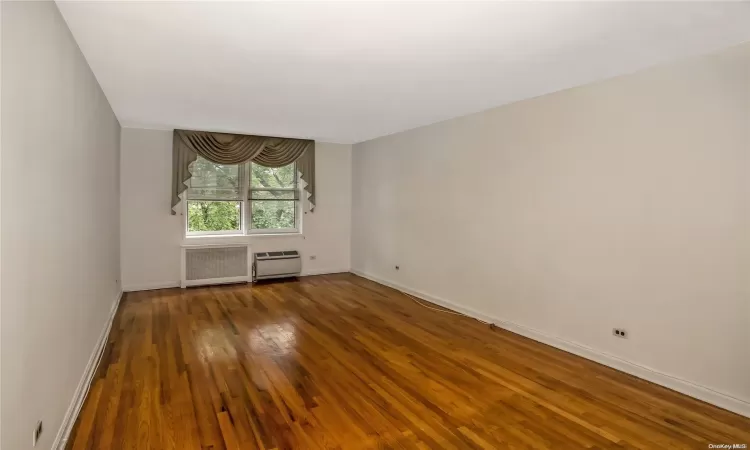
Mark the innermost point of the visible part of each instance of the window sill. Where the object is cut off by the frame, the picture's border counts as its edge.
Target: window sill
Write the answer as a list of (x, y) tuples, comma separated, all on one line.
[(286, 234), (214, 236), (235, 238)]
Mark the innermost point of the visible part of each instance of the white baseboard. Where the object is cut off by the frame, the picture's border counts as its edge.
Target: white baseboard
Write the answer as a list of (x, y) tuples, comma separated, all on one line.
[(307, 273), (689, 388), (151, 286), (173, 284), (83, 386)]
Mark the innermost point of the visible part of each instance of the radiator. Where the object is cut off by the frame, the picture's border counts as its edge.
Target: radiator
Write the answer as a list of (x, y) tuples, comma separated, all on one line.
[(215, 264), (277, 265)]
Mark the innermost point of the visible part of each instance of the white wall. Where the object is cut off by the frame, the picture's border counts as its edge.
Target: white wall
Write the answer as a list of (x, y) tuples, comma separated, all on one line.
[(151, 237), (1, 146), (60, 220), (624, 203)]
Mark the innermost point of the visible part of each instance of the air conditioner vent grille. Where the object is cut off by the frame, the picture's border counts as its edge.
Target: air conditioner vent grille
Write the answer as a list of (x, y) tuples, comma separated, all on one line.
[(277, 264)]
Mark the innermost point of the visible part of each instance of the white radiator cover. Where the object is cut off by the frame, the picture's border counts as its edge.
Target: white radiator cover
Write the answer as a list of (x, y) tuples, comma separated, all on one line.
[(215, 264)]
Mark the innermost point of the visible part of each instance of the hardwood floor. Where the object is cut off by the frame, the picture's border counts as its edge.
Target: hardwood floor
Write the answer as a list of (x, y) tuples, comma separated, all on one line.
[(337, 361)]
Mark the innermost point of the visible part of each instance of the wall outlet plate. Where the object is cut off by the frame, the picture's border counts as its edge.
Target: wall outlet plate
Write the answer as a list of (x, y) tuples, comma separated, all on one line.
[(620, 333)]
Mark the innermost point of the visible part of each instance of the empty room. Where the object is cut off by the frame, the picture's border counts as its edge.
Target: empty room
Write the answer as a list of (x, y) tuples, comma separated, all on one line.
[(374, 225)]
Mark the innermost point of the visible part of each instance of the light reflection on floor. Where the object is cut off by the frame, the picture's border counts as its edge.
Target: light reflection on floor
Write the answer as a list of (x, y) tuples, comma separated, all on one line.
[(272, 340), (214, 346), (276, 339)]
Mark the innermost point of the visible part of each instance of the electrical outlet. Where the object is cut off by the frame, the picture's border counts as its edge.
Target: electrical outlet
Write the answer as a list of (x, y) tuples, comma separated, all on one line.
[(620, 333), (37, 433), (313, 257)]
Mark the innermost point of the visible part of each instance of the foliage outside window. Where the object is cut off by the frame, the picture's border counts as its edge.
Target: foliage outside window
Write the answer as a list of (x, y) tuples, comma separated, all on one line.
[(273, 197), (236, 199)]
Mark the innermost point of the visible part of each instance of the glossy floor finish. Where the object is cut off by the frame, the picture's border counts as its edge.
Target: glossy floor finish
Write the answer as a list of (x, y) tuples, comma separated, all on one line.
[(338, 361)]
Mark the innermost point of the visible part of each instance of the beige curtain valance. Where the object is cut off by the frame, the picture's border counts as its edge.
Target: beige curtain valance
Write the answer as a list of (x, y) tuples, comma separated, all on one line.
[(223, 148)]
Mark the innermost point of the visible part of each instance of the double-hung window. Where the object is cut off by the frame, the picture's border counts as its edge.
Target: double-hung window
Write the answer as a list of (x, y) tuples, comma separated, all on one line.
[(273, 198), (241, 199), (215, 201)]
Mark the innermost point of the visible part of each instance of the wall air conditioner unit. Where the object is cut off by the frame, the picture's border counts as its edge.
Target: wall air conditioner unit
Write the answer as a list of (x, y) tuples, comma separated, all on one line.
[(277, 265), (215, 264)]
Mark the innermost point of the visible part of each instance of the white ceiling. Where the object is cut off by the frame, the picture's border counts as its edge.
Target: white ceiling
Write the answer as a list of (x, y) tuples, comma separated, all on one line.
[(351, 71)]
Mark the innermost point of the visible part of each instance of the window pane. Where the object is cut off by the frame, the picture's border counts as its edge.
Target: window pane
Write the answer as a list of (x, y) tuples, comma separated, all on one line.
[(257, 194), (273, 214), (273, 177), (214, 216), (212, 181)]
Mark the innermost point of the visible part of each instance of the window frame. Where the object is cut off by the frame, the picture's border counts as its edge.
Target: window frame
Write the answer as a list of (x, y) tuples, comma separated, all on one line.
[(297, 205), (245, 174), (239, 232)]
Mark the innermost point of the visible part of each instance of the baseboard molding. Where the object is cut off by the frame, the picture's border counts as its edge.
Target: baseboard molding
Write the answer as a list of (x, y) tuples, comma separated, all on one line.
[(151, 286), (307, 273), (689, 388), (83, 386), (174, 284)]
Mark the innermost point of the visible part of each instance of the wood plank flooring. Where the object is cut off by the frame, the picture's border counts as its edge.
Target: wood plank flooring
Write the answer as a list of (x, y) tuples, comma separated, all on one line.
[(337, 361)]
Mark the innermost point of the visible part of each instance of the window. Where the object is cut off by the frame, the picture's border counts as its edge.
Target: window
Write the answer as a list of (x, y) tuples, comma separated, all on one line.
[(273, 197), (214, 198), (238, 199)]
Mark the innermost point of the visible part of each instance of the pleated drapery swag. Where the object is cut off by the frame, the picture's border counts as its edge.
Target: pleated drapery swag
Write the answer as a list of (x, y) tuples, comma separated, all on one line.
[(223, 148)]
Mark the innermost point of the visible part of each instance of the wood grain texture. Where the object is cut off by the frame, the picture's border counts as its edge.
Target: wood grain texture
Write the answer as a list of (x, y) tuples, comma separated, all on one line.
[(337, 361)]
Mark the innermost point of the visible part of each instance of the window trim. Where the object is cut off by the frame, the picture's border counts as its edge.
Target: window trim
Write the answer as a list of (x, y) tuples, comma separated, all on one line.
[(189, 234), (246, 212), (249, 217), (297, 205)]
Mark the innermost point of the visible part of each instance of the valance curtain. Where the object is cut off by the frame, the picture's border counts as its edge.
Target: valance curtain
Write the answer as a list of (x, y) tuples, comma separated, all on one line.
[(223, 148)]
